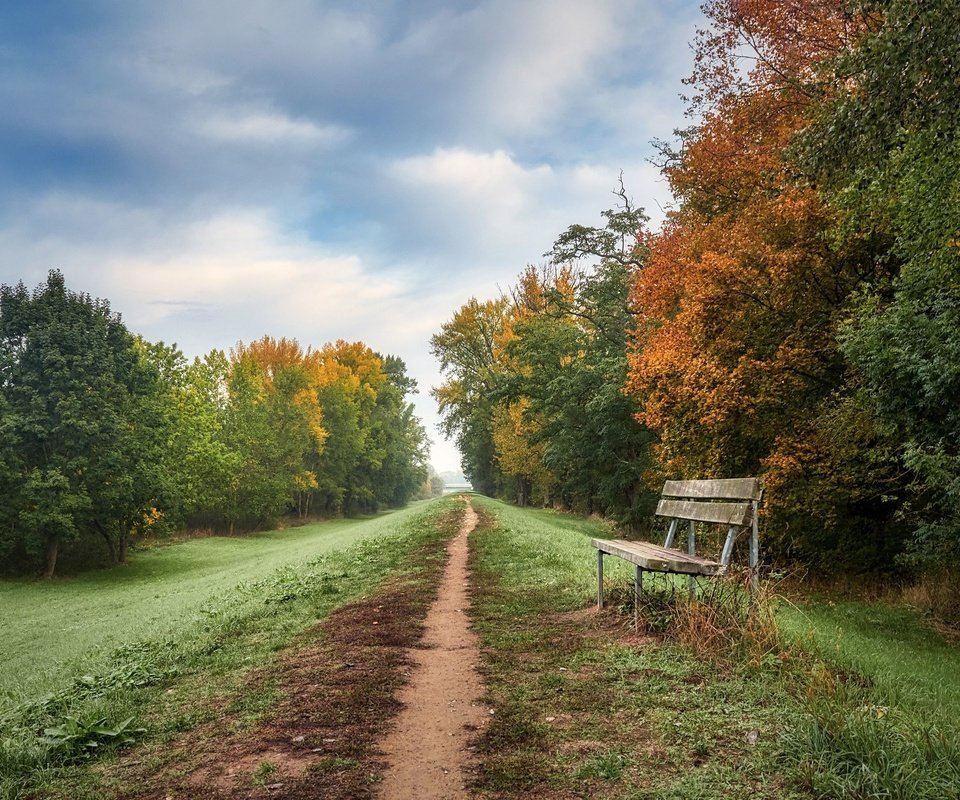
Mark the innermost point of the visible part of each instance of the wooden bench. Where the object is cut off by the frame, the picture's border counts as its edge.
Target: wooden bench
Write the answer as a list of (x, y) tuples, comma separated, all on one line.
[(732, 502)]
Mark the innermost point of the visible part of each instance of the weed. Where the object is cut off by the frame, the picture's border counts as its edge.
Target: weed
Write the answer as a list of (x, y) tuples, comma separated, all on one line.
[(76, 739), (264, 773), (607, 766), (723, 621), (938, 596)]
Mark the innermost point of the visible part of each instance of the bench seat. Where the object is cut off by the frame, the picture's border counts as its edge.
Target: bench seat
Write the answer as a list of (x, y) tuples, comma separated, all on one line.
[(654, 558)]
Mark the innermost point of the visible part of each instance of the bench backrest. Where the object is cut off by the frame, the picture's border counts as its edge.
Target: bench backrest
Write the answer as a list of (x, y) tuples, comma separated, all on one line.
[(698, 500), (726, 501)]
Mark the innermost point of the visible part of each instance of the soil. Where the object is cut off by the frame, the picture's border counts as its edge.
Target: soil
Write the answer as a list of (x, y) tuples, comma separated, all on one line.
[(429, 750)]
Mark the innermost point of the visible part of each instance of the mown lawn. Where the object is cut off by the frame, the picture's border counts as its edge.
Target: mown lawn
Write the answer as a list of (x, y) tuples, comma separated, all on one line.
[(54, 630), (194, 666)]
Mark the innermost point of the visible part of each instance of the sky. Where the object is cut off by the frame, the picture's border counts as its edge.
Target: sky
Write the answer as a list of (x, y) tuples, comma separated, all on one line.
[(222, 170)]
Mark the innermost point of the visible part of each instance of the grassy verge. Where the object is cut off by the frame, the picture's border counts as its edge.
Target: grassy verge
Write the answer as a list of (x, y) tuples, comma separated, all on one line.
[(891, 645), (214, 676), (882, 701), (56, 630), (585, 708)]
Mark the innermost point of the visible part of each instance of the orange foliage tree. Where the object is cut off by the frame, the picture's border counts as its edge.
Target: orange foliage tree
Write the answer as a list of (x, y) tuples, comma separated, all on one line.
[(736, 361)]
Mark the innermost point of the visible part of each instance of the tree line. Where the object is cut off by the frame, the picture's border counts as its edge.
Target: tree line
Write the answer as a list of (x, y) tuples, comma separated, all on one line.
[(797, 316), (105, 436)]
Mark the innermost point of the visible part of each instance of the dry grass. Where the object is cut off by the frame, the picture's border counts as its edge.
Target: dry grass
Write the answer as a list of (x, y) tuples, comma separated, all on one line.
[(939, 597)]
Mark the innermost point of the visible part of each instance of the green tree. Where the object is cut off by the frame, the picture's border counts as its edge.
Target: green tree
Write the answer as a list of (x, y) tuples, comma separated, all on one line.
[(80, 435), (466, 348), (885, 150), (403, 468), (571, 354), (195, 461)]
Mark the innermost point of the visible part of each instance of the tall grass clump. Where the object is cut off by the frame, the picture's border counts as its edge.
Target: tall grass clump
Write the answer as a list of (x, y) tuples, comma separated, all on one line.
[(858, 733), (938, 596), (852, 744), (723, 621)]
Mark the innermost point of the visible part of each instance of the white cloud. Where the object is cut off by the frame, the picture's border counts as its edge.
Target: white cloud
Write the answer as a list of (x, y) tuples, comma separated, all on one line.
[(270, 128), (490, 215), (551, 50), (491, 187)]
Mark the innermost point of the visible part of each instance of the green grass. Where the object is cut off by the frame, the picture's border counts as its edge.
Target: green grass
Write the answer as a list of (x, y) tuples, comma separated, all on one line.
[(55, 630), (191, 671), (883, 717), (585, 708), (866, 705), (906, 662)]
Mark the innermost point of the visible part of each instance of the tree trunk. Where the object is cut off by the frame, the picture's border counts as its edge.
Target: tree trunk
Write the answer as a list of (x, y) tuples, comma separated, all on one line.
[(124, 542), (53, 545), (107, 538)]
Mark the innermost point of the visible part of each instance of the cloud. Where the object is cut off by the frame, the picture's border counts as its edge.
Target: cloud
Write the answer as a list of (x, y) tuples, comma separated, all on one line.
[(270, 129), (491, 187), (487, 215), (226, 169)]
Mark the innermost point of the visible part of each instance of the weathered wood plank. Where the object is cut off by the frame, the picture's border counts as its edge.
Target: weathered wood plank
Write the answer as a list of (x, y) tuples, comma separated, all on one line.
[(723, 513), (657, 559), (716, 489)]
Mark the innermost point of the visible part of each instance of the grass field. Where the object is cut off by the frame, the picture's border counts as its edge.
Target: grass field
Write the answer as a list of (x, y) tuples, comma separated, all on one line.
[(193, 665), (867, 708), (906, 661), (884, 720), (586, 708), (866, 704), (54, 630)]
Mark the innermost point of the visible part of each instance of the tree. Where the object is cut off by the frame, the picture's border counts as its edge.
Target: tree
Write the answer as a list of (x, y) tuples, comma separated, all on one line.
[(272, 421), (737, 362), (404, 465), (80, 434), (466, 348), (195, 459), (570, 349), (884, 149)]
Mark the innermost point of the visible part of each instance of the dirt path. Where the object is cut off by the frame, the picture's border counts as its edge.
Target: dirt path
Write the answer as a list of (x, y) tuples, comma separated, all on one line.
[(428, 750)]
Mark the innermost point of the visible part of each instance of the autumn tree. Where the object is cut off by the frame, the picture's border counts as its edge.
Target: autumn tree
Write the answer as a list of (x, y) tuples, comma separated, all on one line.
[(737, 362), (535, 387), (272, 419)]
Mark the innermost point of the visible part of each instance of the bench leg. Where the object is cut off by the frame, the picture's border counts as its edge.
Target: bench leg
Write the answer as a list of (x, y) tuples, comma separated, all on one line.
[(637, 591), (692, 550), (599, 579)]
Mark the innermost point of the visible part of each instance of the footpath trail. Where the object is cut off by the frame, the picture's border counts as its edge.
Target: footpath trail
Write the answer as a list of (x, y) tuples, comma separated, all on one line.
[(428, 751)]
